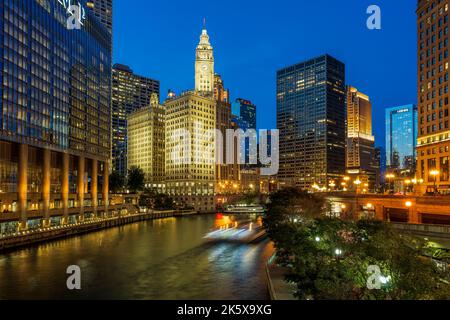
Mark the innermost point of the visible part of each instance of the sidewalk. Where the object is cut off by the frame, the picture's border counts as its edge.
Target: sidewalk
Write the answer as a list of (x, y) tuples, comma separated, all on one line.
[(279, 289)]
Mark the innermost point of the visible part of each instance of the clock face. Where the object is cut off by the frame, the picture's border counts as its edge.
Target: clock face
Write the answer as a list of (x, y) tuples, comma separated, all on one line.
[(205, 67)]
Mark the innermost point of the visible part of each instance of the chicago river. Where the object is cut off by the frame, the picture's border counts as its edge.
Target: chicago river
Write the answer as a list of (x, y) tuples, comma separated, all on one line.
[(160, 259)]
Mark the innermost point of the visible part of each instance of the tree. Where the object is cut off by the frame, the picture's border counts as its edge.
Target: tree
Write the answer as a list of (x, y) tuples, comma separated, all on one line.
[(136, 179), (289, 205), (332, 259), (116, 182)]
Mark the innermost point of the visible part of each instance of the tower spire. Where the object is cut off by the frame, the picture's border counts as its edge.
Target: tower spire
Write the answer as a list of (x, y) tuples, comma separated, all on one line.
[(204, 23)]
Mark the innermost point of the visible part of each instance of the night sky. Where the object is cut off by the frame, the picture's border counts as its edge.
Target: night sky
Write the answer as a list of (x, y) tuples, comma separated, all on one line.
[(253, 39)]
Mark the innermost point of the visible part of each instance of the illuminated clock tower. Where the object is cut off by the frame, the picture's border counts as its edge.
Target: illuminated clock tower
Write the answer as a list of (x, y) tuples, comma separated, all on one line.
[(204, 65)]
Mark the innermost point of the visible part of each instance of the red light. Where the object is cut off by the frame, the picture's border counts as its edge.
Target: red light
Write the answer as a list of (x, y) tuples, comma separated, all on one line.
[(219, 216)]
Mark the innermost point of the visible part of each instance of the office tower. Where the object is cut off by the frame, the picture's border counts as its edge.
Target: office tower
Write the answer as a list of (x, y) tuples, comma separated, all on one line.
[(190, 137), (226, 174), (244, 116), (220, 93), (54, 116), (146, 143), (204, 65), (401, 140), (103, 10), (433, 149), (380, 161), (311, 120), (247, 112), (130, 92), (360, 147)]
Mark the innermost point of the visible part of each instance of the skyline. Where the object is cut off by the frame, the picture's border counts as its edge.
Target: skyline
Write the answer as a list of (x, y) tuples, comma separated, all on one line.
[(250, 73)]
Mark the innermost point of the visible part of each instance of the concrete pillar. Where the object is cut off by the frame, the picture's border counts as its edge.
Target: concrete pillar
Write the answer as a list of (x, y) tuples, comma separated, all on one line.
[(414, 217), (80, 186), (94, 185), (65, 188), (46, 182), (379, 212), (105, 191), (22, 188)]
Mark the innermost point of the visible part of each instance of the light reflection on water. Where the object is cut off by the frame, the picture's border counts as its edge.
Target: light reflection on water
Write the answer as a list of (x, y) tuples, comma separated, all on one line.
[(163, 259)]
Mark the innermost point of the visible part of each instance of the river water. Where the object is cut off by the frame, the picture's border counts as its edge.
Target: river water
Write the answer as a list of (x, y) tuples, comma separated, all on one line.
[(161, 259)]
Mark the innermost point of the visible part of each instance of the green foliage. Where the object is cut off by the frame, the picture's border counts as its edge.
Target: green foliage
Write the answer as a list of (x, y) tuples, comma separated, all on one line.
[(157, 201), (136, 179), (309, 247), (116, 182), (248, 198)]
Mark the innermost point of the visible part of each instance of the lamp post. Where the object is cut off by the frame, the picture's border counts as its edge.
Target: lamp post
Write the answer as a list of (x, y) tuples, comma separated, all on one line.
[(357, 183), (434, 174), (408, 184), (390, 176)]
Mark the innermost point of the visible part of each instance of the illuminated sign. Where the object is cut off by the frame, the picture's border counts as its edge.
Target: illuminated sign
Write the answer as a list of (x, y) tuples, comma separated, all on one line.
[(77, 14)]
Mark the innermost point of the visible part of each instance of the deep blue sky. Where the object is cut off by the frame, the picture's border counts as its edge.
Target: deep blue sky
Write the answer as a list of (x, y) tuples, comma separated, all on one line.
[(252, 39)]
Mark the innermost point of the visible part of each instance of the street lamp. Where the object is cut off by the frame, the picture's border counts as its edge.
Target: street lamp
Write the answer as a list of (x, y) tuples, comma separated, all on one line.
[(390, 176), (434, 174), (408, 184)]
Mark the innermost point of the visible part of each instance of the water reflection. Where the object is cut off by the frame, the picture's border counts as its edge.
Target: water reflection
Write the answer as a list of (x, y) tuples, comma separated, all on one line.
[(163, 259)]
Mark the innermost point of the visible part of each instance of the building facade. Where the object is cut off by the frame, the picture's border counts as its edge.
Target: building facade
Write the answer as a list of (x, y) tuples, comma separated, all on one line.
[(247, 112), (360, 147), (433, 149), (146, 143), (227, 175), (311, 120), (103, 11), (54, 116), (190, 150), (190, 137), (401, 140), (130, 92)]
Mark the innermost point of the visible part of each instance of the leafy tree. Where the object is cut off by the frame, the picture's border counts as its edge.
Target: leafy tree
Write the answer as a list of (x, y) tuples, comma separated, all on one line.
[(136, 179), (158, 201), (329, 259), (116, 182), (290, 205)]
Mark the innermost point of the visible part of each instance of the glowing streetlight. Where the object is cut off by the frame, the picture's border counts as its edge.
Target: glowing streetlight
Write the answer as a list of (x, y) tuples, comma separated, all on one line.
[(434, 174), (408, 204)]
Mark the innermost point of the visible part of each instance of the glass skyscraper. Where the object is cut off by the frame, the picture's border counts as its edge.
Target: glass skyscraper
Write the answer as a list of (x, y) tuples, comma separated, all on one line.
[(401, 139), (246, 111), (54, 114), (311, 120), (130, 92)]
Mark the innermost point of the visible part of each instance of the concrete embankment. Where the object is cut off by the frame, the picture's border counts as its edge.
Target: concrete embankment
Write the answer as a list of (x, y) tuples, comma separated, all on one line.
[(278, 287), (32, 237)]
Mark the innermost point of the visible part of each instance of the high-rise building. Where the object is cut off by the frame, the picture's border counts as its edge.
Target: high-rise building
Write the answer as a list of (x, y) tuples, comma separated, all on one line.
[(433, 95), (130, 92), (220, 93), (247, 112), (311, 120), (103, 10), (360, 147), (146, 142), (226, 174), (190, 137), (401, 140), (380, 160), (54, 116)]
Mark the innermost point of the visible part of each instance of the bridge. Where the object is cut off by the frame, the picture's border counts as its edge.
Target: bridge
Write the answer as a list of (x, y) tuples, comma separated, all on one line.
[(397, 209)]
